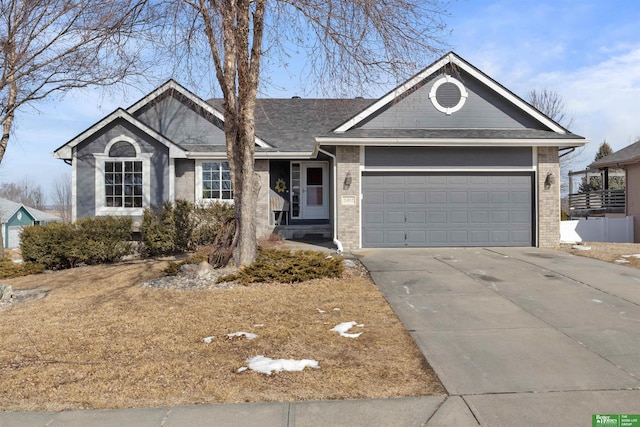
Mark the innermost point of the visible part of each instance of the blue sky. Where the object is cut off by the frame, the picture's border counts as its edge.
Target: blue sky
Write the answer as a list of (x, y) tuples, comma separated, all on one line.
[(587, 51)]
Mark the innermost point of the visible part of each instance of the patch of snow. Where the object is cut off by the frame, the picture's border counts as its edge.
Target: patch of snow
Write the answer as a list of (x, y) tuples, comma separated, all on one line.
[(343, 327), (207, 340), (247, 335), (266, 365), (597, 301), (336, 309), (349, 263), (259, 325), (631, 256), (17, 261), (621, 261), (581, 247), (320, 311)]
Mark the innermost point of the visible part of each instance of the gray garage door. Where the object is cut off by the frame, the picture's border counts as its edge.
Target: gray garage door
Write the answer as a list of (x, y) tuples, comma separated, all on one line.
[(447, 209)]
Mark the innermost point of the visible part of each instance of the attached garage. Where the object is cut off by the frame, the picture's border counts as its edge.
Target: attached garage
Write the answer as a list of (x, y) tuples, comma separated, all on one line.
[(447, 209)]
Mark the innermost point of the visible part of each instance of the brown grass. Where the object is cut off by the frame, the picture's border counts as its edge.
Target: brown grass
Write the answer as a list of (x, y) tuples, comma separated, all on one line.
[(98, 340), (610, 252)]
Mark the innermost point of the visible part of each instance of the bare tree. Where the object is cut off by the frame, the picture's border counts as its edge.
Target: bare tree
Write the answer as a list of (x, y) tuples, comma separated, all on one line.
[(26, 192), (552, 105), (48, 47), (348, 43), (61, 195)]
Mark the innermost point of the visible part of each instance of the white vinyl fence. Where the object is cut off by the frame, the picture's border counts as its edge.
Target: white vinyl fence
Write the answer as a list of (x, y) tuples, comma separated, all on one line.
[(618, 230)]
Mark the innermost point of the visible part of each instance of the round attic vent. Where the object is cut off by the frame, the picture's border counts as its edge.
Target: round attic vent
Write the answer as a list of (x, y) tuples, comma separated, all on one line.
[(448, 95)]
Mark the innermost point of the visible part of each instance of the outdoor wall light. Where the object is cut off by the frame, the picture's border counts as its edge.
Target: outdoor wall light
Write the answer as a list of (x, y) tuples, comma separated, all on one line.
[(347, 180), (549, 180)]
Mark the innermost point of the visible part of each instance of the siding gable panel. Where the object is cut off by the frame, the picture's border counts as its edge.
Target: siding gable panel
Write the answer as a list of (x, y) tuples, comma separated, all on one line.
[(483, 109)]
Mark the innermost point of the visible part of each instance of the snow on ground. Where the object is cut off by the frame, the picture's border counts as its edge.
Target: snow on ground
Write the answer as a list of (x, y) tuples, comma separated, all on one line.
[(247, 335), (342, 329), (631, 256), (266, 365), (207, 340)]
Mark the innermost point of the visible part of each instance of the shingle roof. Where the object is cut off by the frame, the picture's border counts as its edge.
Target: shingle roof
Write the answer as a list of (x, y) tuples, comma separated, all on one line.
[(8, 208), (627, 155), (291, 124)]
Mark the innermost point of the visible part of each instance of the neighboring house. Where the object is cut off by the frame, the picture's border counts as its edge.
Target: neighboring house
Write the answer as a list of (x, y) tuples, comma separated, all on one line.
[(14, 216), (448, 158), (627, 158)]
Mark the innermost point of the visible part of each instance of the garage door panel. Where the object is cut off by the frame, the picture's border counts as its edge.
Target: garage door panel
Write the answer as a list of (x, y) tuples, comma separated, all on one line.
[(418, 217), (395, 217), (459, 217), (447, 209), (416, 197)]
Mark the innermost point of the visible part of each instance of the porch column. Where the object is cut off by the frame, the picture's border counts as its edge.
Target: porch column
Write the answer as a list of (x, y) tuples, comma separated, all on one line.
[(348, 196), (548, 197)]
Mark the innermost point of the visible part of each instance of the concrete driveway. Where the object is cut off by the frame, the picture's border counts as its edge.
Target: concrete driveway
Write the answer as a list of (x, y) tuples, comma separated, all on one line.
[(519, 336)]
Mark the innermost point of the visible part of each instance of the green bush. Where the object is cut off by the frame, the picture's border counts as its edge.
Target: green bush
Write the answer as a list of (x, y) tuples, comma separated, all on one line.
[(564, 216), (184, 224), (90, 241), (10, 269), (276, 265), (158, 231), (207, 220)]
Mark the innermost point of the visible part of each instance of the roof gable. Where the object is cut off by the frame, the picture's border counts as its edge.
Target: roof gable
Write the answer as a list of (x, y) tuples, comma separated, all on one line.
[(182, 116), (66, 151), (9, 208), (485, 92)]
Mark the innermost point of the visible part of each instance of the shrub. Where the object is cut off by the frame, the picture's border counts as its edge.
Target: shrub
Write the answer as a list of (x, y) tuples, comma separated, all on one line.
[(158, 230), (184, 224), (10, 269), (90, 240), (207, 220), (276, 265), (564, 216)]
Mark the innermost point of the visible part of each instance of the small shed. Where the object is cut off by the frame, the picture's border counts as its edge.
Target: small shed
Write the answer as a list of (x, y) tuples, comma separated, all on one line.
[(14, 216)]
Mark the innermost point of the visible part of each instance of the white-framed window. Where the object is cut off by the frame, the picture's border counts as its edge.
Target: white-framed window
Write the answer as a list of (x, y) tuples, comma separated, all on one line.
[(448, 94), (213, 181), (123, 176)]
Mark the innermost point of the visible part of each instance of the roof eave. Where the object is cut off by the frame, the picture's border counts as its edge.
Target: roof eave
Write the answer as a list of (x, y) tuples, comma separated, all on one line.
[(455, 142)]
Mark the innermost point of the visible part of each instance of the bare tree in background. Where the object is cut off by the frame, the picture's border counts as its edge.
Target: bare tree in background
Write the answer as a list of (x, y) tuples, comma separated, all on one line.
[(26, 192), (61, 195), (48, 47), (349, 45), (552, 105)]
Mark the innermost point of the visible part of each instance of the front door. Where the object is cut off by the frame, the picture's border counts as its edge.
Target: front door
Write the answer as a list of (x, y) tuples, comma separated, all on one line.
[(315, 190)]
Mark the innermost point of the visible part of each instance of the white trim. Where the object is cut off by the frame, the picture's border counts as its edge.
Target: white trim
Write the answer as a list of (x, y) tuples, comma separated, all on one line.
[(198, 182), (172, 180), (74, 186), (443, 142), (434, 92), (101, 158), (360, 202), (450, 58), (65, 151), (173, 85), (448, 169)]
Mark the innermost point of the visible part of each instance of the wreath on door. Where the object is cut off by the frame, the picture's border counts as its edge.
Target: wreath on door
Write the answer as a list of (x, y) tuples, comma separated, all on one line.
[(281, 186)]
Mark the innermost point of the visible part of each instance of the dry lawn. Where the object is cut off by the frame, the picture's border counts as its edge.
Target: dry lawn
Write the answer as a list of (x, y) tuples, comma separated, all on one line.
[(98, 340), (610, 252)]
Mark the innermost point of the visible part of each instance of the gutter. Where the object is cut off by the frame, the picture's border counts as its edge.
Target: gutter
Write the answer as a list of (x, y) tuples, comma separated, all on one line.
[(339, 248)]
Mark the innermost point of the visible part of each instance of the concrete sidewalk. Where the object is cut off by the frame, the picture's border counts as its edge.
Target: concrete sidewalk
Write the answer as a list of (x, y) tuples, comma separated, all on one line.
[(518, 336)]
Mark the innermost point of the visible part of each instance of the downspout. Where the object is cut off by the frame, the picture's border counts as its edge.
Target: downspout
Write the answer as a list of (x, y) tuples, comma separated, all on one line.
[(336, 242)]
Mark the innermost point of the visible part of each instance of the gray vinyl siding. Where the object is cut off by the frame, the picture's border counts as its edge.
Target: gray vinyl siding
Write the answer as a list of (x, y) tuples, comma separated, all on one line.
[(181, 124), (483, 109), (448, 157), (185, 179), (85, 169)]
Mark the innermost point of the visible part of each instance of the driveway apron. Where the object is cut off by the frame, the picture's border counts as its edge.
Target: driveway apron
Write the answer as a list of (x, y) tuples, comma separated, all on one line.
[(523, 336)]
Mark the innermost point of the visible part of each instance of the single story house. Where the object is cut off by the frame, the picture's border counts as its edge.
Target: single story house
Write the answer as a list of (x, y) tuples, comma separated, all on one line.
[(448, 158), (627, 158), (14, 216)]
